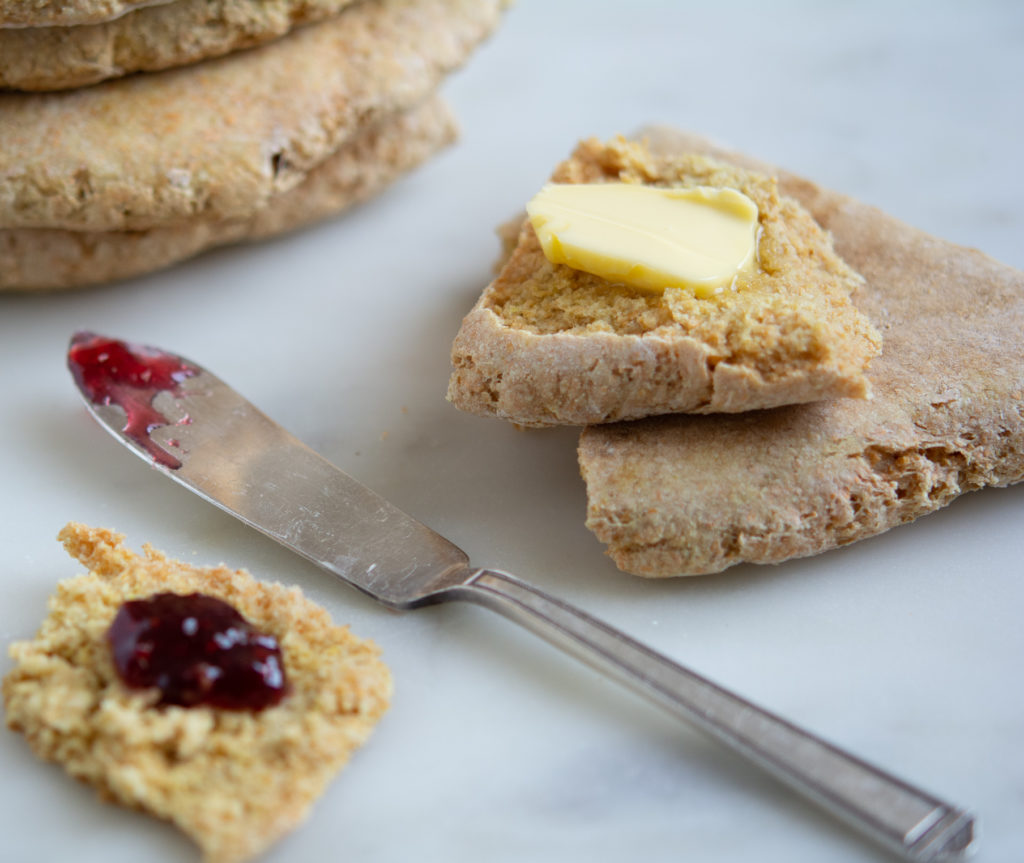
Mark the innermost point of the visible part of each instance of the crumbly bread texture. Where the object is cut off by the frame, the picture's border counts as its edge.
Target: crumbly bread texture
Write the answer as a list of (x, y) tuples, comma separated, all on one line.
[(218, 139), (66, 13), (148, 39), (234, 781), (33, 259), (550, 345), (689, 495)]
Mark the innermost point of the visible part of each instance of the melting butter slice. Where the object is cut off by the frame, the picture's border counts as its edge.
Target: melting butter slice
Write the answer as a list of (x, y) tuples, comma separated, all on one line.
[(648, 237)]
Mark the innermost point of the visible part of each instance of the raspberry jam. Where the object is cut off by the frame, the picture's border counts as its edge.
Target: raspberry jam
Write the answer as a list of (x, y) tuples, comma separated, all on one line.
[(112, 372), (196, 649)]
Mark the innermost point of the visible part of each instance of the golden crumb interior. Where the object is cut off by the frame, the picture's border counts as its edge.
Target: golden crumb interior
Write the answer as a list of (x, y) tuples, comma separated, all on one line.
[(794, 308)]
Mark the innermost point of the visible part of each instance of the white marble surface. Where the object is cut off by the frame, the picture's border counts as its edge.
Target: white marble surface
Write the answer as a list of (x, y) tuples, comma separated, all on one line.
[(906, 648)]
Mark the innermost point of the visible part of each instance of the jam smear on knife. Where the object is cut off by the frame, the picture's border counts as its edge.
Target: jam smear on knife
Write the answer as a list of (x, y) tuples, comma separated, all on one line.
[(113, 372), (197, 650)]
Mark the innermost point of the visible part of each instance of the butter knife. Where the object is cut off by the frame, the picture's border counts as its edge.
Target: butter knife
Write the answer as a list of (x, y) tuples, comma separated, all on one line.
[(197, 430)]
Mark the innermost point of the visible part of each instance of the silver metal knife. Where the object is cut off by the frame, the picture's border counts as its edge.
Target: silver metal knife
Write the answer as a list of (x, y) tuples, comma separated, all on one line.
[(198, 431)]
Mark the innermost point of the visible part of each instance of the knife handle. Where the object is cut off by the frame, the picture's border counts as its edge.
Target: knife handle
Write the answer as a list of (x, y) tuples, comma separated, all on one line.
[(910, 822)]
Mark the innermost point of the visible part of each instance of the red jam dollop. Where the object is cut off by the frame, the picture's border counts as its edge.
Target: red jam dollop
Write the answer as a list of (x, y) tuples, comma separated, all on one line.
[(196, 649), (112, 372)]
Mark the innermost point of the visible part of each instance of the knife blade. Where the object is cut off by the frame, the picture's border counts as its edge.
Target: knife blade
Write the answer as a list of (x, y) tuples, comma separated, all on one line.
[(198, 431)]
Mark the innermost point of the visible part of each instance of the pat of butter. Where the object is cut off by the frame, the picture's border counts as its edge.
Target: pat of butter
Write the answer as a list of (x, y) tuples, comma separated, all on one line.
[(648, 237)]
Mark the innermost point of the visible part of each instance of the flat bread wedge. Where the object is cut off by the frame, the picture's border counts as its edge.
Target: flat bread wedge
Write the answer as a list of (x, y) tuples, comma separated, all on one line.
[(44, 260), (550, 345), (148, 39), (218, 139), (66, 13), (690, 495)]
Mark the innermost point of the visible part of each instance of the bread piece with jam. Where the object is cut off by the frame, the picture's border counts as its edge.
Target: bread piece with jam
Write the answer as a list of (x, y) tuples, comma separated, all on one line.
[(230, 729)]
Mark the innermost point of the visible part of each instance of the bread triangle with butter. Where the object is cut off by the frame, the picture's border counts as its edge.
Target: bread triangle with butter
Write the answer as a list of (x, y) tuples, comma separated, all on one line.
[(547, 344)]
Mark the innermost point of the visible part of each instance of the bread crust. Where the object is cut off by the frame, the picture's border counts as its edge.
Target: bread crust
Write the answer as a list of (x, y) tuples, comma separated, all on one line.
[(148, 39), (692, 495), (66, 13), (234, 781), (57, 259), (549, 345), (219, 139)]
